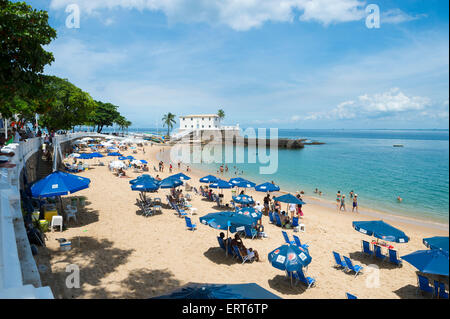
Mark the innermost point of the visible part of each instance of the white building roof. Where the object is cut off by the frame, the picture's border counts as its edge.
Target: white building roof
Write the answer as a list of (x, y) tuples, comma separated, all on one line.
[(201, 115)]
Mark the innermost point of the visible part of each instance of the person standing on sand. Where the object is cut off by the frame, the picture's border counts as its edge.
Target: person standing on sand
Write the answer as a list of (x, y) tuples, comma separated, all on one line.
[(355, 203), (338, 199), (292, 209), (179, 165), (342, 203), (170, 168)]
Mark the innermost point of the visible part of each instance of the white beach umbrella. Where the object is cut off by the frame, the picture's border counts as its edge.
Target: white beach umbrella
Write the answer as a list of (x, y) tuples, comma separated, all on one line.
[(79, 142), (117, 164), (74, 155)]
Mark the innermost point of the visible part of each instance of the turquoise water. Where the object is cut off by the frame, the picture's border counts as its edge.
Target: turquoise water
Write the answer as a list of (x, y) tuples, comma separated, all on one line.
[(366, 161)]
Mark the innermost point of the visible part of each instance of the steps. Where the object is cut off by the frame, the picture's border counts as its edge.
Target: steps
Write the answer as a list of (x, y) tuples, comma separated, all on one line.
[(44, 167)]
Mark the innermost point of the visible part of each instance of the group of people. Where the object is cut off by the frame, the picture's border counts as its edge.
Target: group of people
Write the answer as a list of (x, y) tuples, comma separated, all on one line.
[(340, 201), (237, 242)]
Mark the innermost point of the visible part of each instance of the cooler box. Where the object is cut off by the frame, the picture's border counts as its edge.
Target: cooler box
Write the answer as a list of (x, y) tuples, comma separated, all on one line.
[(65, 246)]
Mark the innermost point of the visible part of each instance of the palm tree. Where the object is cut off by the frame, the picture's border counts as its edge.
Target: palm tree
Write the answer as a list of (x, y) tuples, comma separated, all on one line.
[(221, 114), (168, 120)]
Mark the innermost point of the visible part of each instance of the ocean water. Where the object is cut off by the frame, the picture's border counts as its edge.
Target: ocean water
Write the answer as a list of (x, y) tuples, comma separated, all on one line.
[(366, 162)]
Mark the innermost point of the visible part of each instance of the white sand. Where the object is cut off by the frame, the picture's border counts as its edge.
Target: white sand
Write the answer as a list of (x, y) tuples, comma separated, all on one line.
[(125, 255)]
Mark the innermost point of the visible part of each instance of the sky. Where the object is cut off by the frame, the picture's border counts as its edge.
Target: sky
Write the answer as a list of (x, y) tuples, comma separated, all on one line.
[(267, 63)]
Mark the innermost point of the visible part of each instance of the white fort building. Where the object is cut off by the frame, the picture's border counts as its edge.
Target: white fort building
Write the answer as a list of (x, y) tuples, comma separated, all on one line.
[(201, 122)]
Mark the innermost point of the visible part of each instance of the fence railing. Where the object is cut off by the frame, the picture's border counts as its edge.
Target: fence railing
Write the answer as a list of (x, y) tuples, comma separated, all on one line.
[(19, 276)]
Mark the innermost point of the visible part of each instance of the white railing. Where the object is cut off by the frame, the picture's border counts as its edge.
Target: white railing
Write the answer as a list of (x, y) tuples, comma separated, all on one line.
[(19, 276)]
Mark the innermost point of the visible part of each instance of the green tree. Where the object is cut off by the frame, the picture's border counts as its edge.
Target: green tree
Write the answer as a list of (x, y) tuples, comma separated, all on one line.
[(221, 114), (104, 115), (23, 33), (122, 122), (70, 106), (169, 120)]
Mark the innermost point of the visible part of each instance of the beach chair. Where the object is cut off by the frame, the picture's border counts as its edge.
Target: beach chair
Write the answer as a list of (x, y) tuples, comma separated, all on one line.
[(308, 281), (350, 296), (286, 238), (181, 212), (278, 220), (249, 257), (378, 253), (442, 293), (298, 242), (250, 232), (366, 248), (350, 267), (189, 224), (294, 222), (393, 257), (339, 263), (221, 243), (271, 218), (424, 285)]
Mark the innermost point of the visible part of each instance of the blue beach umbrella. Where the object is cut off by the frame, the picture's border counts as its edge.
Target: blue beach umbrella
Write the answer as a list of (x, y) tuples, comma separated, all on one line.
[(267, 187), (142, 178), (122, 158), (289, 257), (437, 242), (221, 184), (112, 148), (290, 199), (250, 212), (96, 154), (180, 176), (58, 184), (145, 185), (220, 291), (84, 156), (130, 157), (114, 154), (380, 229), (430, 261), (170, 183), (237, 180), (144, 162), (243, 199), (227, 221), (209, 179)]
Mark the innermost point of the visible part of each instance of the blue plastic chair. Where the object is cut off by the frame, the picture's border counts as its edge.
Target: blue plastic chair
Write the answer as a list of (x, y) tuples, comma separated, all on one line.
[(189, 224), (366, 248), (339, 263), (298, 242), (277, 220), (442, 293), (424, 285), (286, 238), (239, 255), (308, 281), (250, 232), (393, 257), (181, 212), (221, 243), (378, 253), (350, 296), (351, 267), (271, 218), (294, 222)]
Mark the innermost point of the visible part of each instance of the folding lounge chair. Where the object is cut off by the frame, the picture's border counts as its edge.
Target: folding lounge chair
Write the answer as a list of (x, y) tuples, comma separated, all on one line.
[(221, 243), (424, 285), (350, 296), (308, 281), (189, 224), (442, 293), (339, 263), (277, 220), (250, 232), (248, 257), (351, 267), (181, 212), (378, 253), (366, 248), (298, 242), (286, 238), (271, 218), (294, 222), (393, 257)]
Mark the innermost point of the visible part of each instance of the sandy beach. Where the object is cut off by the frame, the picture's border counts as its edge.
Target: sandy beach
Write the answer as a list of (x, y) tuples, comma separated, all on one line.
[(122, 254)]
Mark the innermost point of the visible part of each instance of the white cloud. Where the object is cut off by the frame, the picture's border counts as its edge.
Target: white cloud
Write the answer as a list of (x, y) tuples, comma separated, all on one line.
[(387, 104), (237, 14), (398, 16)]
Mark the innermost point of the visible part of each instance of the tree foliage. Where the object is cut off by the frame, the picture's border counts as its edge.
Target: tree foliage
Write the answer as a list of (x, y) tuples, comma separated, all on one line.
[(105, 114), (221, 114), (23, 33), (169, 120), (70, 106)]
